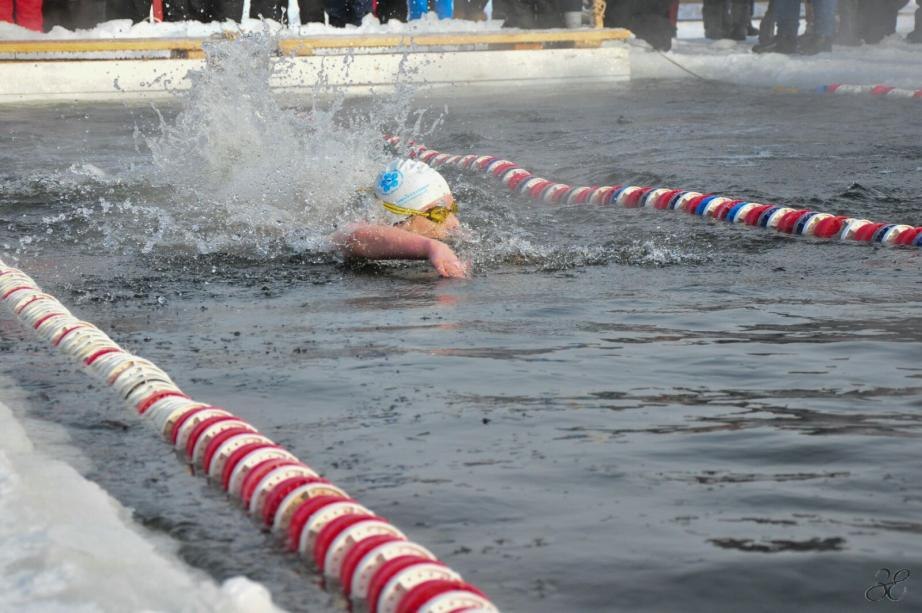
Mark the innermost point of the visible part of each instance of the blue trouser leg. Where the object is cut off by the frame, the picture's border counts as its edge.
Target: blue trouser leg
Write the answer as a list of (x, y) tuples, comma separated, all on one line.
[(824, 12), (787, 15)]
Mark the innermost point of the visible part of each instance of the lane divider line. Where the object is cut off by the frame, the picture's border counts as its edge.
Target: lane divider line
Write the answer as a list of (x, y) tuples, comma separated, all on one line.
[(346, 543), (874, 90), (800, 222)]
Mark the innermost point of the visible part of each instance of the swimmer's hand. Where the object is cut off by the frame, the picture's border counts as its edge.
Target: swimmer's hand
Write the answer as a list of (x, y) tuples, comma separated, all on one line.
[(445, 262)]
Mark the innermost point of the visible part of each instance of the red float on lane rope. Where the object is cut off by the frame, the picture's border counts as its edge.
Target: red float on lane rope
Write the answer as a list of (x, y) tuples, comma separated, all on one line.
[(418, 596), (330, 531), (305, 511), (150, 400), (101, 353), (200, 428), (237, 456), (278, 493), (384, 574)]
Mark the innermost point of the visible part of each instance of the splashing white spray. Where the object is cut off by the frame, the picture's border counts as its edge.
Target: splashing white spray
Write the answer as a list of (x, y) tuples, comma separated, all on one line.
[(248, 175)]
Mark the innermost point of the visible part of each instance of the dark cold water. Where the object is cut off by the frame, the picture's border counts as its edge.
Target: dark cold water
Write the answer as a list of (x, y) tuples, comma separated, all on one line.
[(623, 410)]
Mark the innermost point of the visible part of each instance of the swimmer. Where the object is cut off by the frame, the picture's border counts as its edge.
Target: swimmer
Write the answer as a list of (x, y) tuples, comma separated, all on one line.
[(418, 202)]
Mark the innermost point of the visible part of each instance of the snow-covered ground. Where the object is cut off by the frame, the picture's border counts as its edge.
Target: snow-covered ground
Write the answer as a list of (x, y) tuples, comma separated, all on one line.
[(893, 62), (66, 545)]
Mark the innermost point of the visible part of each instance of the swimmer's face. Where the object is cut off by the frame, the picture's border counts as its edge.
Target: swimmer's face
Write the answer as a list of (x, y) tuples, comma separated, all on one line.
[(431, 229)]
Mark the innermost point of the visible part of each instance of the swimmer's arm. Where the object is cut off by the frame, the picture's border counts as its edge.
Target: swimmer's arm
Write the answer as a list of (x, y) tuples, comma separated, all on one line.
[(376, 242)]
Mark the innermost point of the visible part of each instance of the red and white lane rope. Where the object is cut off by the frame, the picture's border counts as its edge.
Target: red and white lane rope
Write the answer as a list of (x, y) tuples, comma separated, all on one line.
[(372, 561), (787, 220), (885, 91), (873, 90)]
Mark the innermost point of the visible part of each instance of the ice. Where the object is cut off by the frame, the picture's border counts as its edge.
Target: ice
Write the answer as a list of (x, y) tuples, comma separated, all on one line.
[(66, 545)]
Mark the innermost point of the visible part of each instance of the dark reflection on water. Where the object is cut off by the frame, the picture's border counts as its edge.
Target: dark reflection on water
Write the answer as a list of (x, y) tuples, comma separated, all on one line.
[(640, 412)]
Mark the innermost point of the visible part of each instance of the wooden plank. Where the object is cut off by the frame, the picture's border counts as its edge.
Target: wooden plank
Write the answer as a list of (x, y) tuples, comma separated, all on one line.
[(100, 45), (578, 37), (307, 46)]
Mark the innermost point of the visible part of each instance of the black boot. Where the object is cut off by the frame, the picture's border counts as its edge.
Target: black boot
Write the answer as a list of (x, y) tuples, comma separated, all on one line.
[(815, 44), (781, 44)]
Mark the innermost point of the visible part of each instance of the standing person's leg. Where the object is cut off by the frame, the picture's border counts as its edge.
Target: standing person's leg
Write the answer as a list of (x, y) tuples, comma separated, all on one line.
[(617, 13), (515, 13), (177, 10), (88, 13), (28, 14), (712, 11), (740, 19), (808, 17), (848, 23), (189, 10), (824, 12), (336, 10), (57, 13), (752, 30), (357, 10), (135, 10), (549, 13), (563, 7), (85, 14), (767, 25), (650, 22), (312, 11), (787, 16), (140, 10), (824, 16), (114, 10), (228, 9), (916, 35), (347, 12), (879, 18), (267, 9), (471, 10)]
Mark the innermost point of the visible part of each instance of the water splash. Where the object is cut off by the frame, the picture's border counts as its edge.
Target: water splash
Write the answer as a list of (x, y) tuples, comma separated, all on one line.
[(249, 174), (232, 170)]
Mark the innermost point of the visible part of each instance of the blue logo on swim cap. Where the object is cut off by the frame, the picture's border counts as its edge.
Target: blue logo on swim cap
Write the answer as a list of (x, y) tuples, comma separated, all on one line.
[(389, 180)]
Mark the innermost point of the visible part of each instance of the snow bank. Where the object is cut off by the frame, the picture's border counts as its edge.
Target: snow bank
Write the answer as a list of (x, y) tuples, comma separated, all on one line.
[(893, 62), (66, 545)]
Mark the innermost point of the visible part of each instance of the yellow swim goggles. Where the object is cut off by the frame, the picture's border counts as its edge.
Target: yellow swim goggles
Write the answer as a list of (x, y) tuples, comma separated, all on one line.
[(437, 214)]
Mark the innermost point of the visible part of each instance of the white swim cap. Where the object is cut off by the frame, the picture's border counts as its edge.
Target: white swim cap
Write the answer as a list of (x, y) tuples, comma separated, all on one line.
[(413, 185)]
